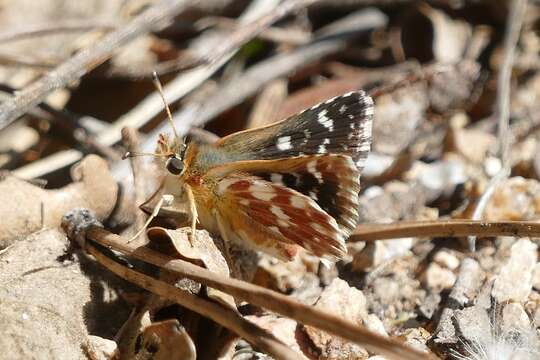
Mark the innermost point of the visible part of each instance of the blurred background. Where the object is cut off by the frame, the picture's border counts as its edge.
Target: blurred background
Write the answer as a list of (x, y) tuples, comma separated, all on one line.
[(455, 136)]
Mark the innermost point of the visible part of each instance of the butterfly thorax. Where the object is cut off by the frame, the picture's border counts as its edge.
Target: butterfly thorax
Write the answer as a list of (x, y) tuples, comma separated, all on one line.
[(203, 157)]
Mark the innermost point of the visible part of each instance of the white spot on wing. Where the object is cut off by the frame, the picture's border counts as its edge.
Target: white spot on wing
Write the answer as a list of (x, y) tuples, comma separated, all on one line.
[(325, 120), (318, 228), (276, 178), (297, 202), (284, 143), (261, 192), (274, 229), (224, 184), (342, 109), (276, 210), (321, 116), (312, 168), (283, 223)]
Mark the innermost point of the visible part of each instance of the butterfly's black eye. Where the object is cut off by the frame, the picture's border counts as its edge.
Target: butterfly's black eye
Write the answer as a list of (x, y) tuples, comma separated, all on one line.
[(175, 166)]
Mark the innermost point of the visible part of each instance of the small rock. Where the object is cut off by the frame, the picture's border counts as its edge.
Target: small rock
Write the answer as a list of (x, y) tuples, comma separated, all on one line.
[(416, 338), (376, 164), (379, 252), (397, 115), (439, 278), (514, 282), (514, 199), (430, 305), (536, 276), (438, 178), (515, 317), (492, 166), (349, 303), (373, 323), (536, 317), (446, 259), (473, 324), (483, 141), (99, 348)]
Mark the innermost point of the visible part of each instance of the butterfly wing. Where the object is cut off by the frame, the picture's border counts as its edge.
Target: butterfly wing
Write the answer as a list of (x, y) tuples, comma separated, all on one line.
[(341, 125), (332, 181), (275, 219), (295, 182)]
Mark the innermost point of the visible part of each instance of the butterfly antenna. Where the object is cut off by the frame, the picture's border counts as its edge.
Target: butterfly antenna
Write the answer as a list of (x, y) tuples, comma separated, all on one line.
[(130, 154), (159, 88)]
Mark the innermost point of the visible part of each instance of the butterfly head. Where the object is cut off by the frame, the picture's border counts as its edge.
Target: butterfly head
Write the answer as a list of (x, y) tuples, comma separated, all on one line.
[(173, 151), (169, 153)]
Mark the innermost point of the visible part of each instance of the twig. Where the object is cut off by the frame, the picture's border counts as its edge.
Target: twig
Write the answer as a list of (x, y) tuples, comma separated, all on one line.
[(59, 26), (271, 33), (252, 80), (266, 107), (87, 59), (220, 314), (130, 138), (502, 110), (446, 228), (188, 80), (260, 296), (241, 35), (146, 110), (203, 136), (51, 163), (8, 60)]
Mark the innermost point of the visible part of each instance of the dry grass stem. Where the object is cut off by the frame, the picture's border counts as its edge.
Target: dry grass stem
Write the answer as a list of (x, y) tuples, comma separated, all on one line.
[(445, 228), (263, 297), (219, 313)]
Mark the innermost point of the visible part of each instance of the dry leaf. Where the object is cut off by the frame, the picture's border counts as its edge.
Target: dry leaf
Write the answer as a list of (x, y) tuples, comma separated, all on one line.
[(164, 340), (28, 208), (201, 251)]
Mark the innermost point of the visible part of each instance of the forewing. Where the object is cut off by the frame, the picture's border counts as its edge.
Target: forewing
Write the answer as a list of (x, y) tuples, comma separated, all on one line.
[(273, 218), (341, 125)]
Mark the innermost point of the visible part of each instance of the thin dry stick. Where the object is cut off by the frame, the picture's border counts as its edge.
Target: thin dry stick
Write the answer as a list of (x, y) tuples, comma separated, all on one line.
[(262, 297), (87, 59), (502, 110), (253, 79), (68, 26), (180, 86), (242, 35), (226, 317), (130, 138), (290, 36), (266, 107), (447, 228), (146, 109)]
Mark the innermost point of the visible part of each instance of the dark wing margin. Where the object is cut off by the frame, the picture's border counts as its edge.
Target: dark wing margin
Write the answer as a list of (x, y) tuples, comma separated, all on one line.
[(341, 125)]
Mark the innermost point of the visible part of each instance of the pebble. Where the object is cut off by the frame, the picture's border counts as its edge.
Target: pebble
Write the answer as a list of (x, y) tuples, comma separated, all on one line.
[(514, 282), (447, 260), (439, 278)]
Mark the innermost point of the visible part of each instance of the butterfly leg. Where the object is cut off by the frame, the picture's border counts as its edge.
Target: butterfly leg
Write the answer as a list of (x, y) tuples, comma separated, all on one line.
[(226, 245), (192, 210), (166, 200)]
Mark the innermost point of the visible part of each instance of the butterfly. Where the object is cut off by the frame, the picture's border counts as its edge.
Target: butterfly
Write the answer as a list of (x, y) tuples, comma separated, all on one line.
[(276, 188)]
